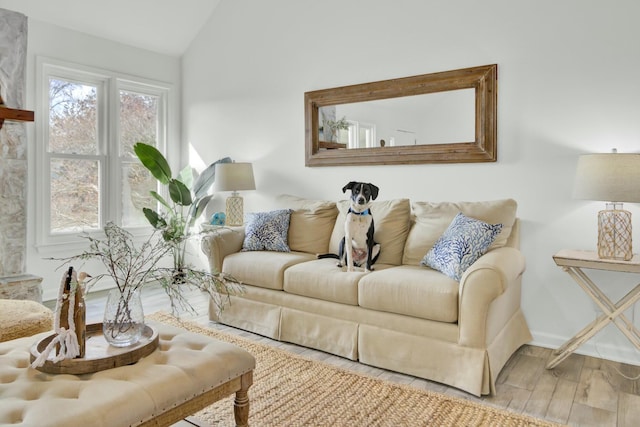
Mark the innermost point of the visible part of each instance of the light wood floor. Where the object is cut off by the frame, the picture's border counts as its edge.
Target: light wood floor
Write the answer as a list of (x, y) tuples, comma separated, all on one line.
[(581, 391)]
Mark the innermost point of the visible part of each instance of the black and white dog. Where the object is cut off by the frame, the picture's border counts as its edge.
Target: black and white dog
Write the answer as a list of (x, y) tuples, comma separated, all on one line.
[(357, 247)]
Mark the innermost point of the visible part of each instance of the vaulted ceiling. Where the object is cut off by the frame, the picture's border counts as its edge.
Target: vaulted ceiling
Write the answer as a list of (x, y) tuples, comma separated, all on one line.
[(164, 26)]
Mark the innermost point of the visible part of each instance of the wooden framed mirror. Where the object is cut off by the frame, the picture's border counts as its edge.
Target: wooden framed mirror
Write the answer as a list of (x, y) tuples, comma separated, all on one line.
[(445, 117)]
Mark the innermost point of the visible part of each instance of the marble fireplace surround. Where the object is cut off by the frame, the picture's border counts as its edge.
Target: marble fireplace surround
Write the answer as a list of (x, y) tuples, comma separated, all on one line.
[(14, 282)]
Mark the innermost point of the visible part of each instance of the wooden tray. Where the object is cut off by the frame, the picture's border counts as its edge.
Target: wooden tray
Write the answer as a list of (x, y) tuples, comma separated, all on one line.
[(99, 355)]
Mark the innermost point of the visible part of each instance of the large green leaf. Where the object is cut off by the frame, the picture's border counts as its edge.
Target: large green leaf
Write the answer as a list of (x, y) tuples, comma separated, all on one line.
[(190, 218), (161, 199), (154, 161), (179, 192), (186, 176), (207, 177), (154, 218)]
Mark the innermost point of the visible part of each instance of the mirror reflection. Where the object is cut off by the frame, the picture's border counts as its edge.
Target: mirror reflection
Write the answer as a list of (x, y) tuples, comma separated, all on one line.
[(434, 118)]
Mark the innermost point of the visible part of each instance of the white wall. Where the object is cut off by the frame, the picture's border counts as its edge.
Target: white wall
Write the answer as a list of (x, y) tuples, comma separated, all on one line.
[(568, 84), (55, 42)]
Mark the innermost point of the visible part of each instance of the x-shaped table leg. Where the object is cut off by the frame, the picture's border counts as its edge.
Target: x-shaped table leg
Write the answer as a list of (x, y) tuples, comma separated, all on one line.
[(610, 313)]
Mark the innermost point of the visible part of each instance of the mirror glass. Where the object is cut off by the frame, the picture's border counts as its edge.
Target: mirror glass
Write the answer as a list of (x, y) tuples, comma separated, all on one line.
[(433, 118), (440, 117)]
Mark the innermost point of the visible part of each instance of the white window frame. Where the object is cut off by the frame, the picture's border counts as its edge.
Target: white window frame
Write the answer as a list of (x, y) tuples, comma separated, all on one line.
[(371, 141), (354, 134), (108, 85)]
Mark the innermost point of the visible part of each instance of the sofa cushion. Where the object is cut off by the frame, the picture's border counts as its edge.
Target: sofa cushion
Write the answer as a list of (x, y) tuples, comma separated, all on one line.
[(267, 231), (463, 242), (311, 224), (321, 279), (410, 290), (391, 220), (432, 219), (264, 269)]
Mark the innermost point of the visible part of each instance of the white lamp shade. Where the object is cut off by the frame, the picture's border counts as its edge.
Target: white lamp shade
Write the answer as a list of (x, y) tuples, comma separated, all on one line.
[(613, 177), (234, 177)]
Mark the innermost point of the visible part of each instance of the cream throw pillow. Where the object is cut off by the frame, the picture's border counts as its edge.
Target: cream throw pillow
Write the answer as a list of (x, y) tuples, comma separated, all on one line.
[(432, 219), (311, 223), (391, 221)]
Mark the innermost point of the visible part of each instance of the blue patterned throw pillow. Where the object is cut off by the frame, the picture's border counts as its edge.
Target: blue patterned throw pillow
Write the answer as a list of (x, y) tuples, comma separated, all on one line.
[(267, 231), (463, 242)]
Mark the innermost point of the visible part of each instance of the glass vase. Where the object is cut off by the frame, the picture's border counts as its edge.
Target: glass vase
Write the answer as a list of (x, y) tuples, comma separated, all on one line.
[(123, 322)]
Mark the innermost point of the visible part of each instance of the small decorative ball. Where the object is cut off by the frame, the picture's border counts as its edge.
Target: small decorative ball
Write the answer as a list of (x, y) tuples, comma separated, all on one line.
[(218, 218)]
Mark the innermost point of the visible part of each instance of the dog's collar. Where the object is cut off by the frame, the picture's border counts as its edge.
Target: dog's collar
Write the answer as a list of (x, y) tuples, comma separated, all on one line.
[(364, 212)]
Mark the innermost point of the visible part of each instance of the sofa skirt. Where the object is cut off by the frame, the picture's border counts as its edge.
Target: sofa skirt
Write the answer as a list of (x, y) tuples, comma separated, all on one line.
[(435, 358), (474, 370), (254, 316), (328, 334)]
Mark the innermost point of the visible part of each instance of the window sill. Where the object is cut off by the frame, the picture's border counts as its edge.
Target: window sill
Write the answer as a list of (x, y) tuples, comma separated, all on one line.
[(63, 245)]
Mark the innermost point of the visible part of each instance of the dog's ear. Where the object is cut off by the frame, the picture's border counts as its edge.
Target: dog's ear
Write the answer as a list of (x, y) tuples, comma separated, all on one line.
[(374, 191), (349, 186)]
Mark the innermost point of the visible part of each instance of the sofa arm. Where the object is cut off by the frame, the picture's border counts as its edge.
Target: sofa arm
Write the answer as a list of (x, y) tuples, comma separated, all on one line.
[(220, 242), (491, 276)]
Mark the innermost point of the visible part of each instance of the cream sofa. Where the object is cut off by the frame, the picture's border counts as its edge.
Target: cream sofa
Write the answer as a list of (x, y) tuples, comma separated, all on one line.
[(403, 316)]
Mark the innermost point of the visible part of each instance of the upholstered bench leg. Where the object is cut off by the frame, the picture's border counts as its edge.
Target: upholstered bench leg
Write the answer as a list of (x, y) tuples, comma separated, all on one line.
[(241, 402)]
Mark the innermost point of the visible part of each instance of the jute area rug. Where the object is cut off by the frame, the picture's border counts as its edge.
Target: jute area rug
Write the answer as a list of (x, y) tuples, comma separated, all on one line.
[(290, 390)]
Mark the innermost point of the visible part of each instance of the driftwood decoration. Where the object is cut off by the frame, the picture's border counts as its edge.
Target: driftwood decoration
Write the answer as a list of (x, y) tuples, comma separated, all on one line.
[(69, 322)]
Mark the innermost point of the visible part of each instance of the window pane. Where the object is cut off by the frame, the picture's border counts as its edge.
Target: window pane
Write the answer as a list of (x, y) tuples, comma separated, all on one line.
[(137, 182), (138, 120), (75, 200), (73, 117)]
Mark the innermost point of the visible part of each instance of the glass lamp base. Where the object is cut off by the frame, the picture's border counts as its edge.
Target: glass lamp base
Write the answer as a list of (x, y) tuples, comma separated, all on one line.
[(235, 214), (614, 233)]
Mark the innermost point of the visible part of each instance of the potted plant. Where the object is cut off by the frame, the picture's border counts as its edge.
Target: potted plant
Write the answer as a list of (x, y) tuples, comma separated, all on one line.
[(187, 200), (336, 126)]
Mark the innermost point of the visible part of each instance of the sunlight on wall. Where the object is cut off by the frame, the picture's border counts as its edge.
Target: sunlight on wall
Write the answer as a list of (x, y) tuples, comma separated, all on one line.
[(195, 160), (219, 132)]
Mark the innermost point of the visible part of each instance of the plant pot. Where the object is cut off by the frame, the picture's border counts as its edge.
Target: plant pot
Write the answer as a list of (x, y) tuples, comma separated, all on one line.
[(123, 322)]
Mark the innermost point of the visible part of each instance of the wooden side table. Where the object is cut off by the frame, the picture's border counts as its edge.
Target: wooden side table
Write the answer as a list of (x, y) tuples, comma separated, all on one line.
[(573, 261)]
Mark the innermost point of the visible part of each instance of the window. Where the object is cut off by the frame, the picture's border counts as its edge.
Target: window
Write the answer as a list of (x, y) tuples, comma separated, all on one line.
[(138, 122), (361, 135), (87, 171)]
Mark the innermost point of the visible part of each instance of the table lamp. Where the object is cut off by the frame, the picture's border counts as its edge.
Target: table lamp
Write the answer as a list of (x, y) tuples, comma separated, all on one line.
[(234, 177), (613, 178)]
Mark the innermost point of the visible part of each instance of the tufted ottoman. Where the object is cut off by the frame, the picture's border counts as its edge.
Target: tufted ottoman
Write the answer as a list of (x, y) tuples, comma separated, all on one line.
[(185, 374), (22, 318)]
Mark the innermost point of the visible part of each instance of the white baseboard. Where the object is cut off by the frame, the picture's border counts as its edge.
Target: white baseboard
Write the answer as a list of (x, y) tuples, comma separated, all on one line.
[(624, 354)]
